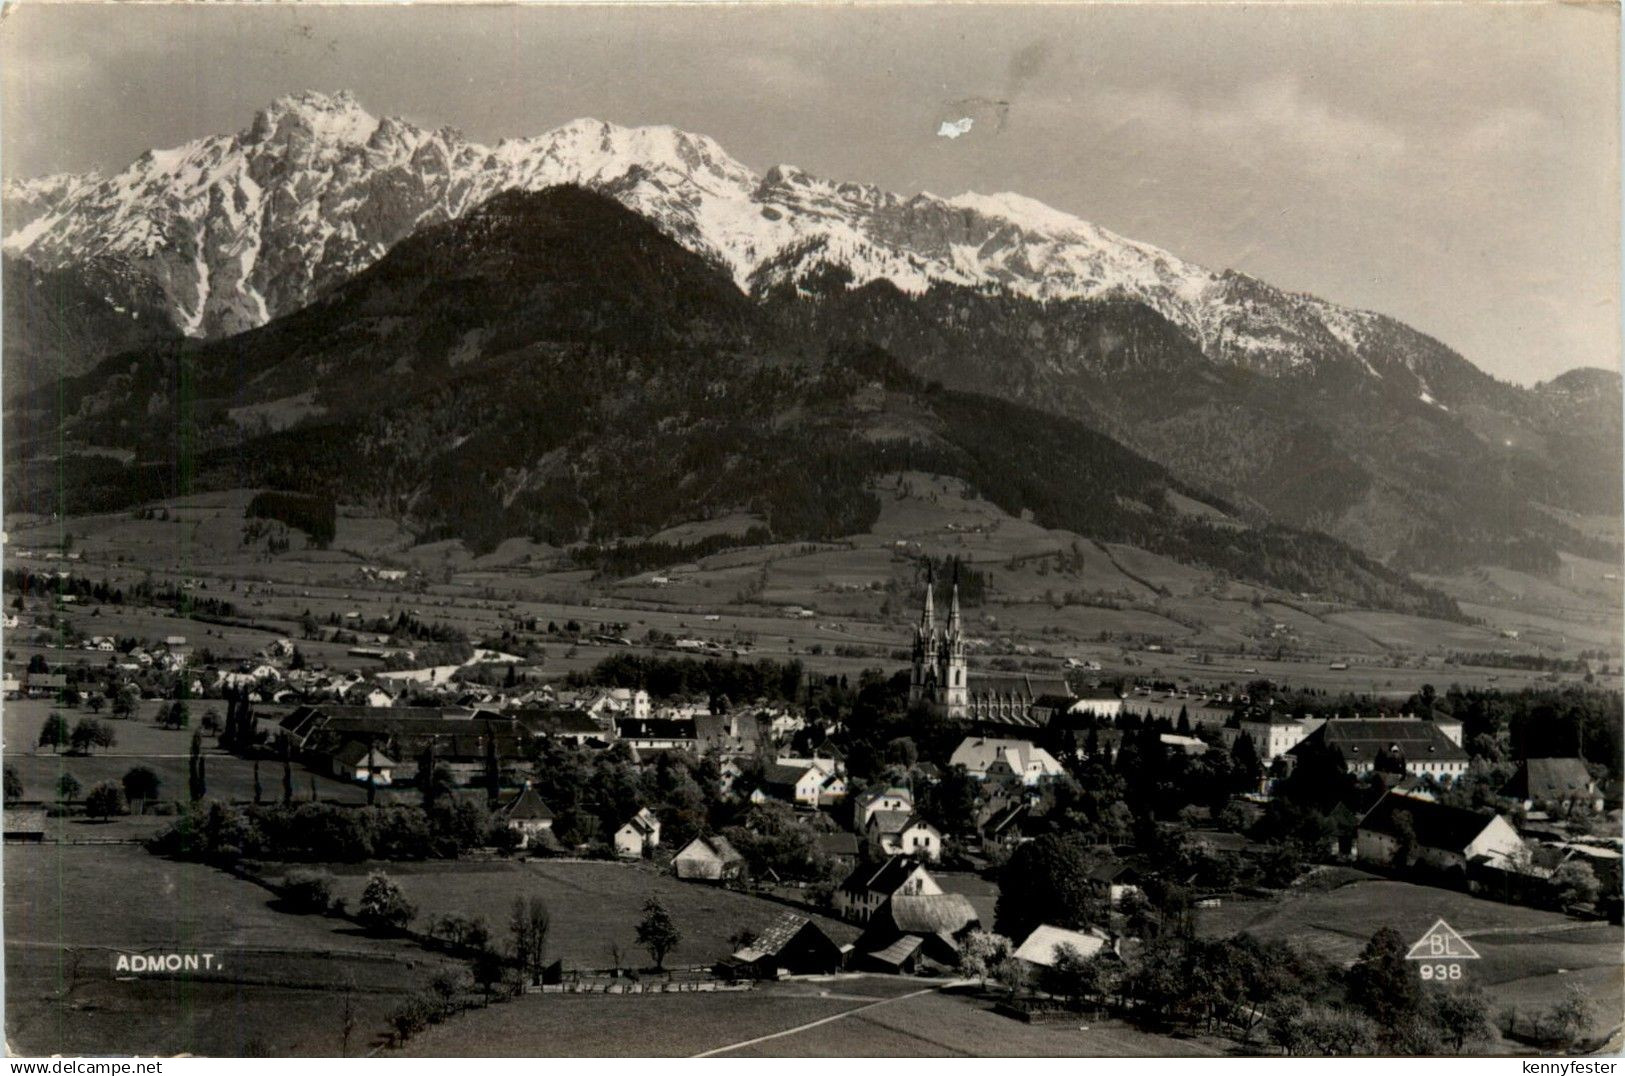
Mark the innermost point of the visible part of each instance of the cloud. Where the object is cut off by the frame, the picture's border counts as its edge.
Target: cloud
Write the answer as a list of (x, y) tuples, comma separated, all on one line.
[(1276, 115)]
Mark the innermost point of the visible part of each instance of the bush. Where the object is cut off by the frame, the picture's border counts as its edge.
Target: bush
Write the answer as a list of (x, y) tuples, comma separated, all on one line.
[(411, 1017), (308, 890), (384, 907)]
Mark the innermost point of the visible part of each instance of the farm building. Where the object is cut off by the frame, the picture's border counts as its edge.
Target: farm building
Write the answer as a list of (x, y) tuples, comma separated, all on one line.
[(841, 847), (907, 933), (1560, 783), (1434, 834), (1042, 947), (791, 945), (360, 762), (707, 859), (23, 825)]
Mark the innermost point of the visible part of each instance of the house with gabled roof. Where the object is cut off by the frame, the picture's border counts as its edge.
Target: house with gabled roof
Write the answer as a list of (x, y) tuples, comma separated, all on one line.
[(905, 833), (707, 859), (1043, 946), (527, 814), (894, 798), (791, 945), (356, 761), (908, 931), (872, 884), (1006, 761), (1560, 783), (639, 835)]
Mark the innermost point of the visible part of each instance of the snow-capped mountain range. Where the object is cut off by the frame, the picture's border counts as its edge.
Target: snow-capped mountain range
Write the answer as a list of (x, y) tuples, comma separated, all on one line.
[(235, 230)]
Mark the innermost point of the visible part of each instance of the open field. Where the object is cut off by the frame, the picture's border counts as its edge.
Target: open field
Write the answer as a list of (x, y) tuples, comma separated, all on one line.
[(1527, 956), (873, 1017), (862, 590), (593, 905), (71, 910), (140, 742)]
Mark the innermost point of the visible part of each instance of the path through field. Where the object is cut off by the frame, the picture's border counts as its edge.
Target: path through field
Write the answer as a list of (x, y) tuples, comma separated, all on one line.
[(826, 1020)]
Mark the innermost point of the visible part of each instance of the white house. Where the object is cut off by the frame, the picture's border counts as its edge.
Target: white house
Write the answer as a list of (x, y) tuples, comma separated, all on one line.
[(871, 885), (905, 833), (888, 799), (1005, 760), (355, 761), (639, 835)]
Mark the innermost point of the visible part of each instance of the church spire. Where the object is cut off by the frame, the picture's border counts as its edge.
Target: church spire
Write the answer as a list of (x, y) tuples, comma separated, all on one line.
[(928, 617), (953, 608)]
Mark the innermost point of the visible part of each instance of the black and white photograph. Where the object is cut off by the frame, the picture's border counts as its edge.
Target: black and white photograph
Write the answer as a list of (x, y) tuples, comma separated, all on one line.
[(801, 530)]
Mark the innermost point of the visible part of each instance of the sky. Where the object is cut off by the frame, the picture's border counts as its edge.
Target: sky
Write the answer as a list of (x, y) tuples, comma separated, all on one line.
[(1453, 165)]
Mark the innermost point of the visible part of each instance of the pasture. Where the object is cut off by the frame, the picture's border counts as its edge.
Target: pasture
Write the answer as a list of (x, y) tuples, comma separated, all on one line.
[(873, 1016), (277, 988), (1527, 956), (593, 905)]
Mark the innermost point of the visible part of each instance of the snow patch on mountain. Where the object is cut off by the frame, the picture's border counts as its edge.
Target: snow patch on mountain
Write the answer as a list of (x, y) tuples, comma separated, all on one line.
[(236, 230)]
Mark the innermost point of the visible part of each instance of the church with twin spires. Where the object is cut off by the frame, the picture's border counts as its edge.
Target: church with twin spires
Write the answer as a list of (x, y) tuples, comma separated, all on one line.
[(940, 678)]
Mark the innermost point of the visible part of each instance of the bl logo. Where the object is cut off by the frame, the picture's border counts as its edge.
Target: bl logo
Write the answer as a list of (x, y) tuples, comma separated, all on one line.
[(1442, 949)]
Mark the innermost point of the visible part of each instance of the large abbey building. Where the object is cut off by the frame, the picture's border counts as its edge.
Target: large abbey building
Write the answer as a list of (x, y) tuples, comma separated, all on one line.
[(941, 680)]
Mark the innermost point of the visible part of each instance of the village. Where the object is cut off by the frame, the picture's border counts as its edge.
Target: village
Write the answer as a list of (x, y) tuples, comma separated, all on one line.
[(1052, 845)]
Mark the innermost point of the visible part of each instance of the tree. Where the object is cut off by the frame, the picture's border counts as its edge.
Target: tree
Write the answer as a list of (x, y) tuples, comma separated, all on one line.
[(125, 701), (347, 1017), (529, 924), (1073, 975), (90, 732), (287, 770), (196, 784), (487, 968), (308, 890), (259, 792), (67, 787), (1045, 881), (105, 800), (140, 785), (1381, 984), (383, 906), (54, 733), (96, 702), (657, 933), (981, 953), (1573, 1015), (1576, 882), (14, 785), (1463, 1016)]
